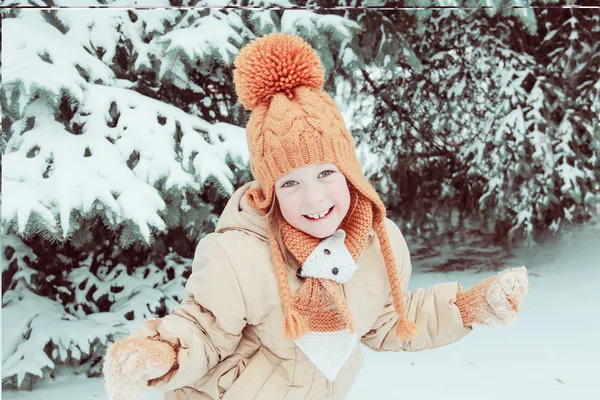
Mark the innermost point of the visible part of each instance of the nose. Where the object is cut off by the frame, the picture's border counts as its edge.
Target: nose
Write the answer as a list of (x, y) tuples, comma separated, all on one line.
[(313, 194), (335, 271)]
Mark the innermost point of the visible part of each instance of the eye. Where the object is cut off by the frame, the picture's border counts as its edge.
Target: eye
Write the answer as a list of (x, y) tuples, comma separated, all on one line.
[(286, 184), (328, 172)]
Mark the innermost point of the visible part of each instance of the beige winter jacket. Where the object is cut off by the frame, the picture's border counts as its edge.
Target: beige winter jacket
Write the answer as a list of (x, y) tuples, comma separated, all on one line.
[(229, 329)]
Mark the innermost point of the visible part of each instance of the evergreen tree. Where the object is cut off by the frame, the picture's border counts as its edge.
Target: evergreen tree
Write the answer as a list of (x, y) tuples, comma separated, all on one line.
[(122, 142), (472, 120)]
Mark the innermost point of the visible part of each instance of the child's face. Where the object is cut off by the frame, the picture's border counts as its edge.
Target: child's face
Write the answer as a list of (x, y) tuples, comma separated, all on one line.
[(314, 189)]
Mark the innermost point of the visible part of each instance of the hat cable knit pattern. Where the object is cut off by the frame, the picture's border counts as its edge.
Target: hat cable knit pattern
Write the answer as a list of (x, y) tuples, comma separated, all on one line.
[(294, 123)]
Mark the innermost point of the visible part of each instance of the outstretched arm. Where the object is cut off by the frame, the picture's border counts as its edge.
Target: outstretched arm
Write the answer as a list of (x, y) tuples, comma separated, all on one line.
[(433, 310), (207, 326), (445, 312)]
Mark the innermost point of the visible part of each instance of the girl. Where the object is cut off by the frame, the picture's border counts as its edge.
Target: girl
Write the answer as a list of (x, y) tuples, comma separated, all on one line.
[(302, 267)]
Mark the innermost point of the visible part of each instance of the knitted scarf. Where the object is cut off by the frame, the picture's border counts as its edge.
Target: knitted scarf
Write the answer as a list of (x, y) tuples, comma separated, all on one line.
[(328, 336), (357, 225)]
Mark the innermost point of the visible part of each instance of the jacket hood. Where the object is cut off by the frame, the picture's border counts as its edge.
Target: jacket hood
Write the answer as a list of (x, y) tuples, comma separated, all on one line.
[(239, 215)]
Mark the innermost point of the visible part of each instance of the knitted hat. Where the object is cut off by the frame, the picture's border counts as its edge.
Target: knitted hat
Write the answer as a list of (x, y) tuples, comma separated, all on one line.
[(294, 123)]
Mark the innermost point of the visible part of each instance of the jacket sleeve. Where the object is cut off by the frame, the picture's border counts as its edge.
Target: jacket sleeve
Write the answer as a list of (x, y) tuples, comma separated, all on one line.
[(432, 309), (207, 326)]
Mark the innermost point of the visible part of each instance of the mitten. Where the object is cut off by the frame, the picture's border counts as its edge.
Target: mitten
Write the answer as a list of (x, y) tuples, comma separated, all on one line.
[(130, 363), (494, 302)]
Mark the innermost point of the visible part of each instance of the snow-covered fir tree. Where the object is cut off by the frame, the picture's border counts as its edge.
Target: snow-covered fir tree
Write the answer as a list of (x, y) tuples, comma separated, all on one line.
[(473, 120), (122, 141)]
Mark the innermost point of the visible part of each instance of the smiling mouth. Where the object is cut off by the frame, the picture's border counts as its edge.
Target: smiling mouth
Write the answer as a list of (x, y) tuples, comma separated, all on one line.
[(318, 219)]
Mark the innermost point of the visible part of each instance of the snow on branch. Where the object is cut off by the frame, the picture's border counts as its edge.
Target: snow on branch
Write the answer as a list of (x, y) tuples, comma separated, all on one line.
[(39, 59), (127, 146)]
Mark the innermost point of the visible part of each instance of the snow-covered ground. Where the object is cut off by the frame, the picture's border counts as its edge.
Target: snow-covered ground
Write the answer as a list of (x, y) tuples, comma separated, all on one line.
[(551, 352)]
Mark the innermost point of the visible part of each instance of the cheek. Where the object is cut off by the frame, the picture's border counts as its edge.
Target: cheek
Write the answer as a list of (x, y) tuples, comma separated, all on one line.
[(289, 209), (342, 199)]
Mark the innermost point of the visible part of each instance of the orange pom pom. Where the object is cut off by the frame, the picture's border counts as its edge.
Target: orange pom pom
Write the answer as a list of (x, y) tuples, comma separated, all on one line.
[(277, 62)]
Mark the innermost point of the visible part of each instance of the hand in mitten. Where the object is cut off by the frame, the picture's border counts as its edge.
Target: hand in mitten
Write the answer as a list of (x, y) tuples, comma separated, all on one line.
[(130, 363), (494, 302)]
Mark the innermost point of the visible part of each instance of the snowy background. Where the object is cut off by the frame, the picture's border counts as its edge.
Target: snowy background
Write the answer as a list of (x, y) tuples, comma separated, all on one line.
[(122, 140)]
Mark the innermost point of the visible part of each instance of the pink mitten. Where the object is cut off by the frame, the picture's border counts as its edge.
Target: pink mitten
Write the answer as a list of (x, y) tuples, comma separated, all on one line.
[(494, 302), (130, 363)]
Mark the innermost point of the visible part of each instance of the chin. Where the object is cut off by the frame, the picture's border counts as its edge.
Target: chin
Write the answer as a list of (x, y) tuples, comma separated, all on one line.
[(322, 233), (321, 236)]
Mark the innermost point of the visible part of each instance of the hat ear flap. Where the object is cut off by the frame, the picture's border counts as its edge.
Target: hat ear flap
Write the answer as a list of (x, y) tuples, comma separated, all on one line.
[(294, 323)]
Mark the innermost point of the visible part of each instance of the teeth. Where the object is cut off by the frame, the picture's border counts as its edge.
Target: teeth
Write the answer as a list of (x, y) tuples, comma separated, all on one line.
[(319, 215)]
